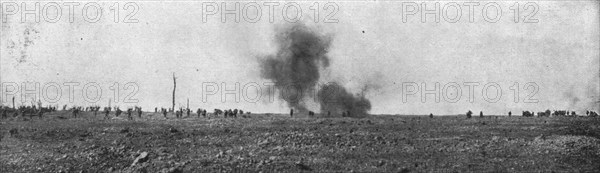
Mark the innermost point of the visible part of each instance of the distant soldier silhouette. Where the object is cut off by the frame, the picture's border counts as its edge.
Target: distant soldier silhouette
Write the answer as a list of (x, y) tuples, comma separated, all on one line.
[(40, 113), (25, 111), (188, 112), (106, 112), (129, 111), (291, 112), (118, 112), (155, 109), (75, 112), (469, 113), (180, 112), (430, 115), (204, 113), (216, 112), (199, 112), (139, 112), (481, 114), (4, 113), (164, 112), (96, 109), (509, 113)]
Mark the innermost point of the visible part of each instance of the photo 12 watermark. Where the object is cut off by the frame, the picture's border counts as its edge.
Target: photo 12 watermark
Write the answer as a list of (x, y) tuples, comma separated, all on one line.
[(68, 92), (468, 11), (453, 92), (421, 92), (60, 11), (253, 12)]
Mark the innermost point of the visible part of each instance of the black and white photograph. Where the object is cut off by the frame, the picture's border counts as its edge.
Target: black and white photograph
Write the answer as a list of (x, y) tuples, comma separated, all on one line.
[(172, 86)]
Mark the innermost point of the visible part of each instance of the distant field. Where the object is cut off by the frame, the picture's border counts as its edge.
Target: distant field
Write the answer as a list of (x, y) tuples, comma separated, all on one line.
[(278, 143)]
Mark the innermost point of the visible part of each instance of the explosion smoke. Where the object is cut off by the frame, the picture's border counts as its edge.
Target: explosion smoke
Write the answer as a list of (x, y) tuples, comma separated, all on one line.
[(296, 66), (335, 98)]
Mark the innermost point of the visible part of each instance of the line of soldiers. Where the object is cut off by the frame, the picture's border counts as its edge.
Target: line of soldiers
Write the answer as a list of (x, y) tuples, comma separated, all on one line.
[(201, 112), (527, 114), (549, 113), (76, 111), (228, 113), (232, 113), (312, 114), (25, 111), (546, 113)]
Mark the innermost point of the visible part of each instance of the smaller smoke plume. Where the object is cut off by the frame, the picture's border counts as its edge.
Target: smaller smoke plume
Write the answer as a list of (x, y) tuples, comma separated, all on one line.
[(336, 100)]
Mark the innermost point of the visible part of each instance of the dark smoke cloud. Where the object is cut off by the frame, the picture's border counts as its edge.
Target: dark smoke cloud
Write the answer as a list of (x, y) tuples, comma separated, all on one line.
[(295, 69)]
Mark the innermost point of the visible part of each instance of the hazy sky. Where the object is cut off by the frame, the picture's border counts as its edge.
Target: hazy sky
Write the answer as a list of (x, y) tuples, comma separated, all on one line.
[(558, 55)]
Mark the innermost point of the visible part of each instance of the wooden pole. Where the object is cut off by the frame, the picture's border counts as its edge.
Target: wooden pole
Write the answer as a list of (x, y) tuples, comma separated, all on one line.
[(174, 86)]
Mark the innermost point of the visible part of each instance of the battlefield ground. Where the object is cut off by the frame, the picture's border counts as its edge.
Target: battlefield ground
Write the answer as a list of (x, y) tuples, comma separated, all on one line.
[(278, 143)]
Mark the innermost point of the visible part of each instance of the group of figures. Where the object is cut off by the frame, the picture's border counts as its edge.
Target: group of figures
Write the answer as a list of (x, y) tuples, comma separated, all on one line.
[(25, 111), (558, 113), (312, 114), (32, 111), (228, 113), (76, 111), (547, 113)]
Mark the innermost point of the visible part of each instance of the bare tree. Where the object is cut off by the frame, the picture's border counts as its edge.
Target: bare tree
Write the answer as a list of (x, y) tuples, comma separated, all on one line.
[(174, 86)]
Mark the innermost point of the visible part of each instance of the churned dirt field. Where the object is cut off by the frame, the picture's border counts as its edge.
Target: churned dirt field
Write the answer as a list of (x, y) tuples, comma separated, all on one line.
[(278, 143)]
